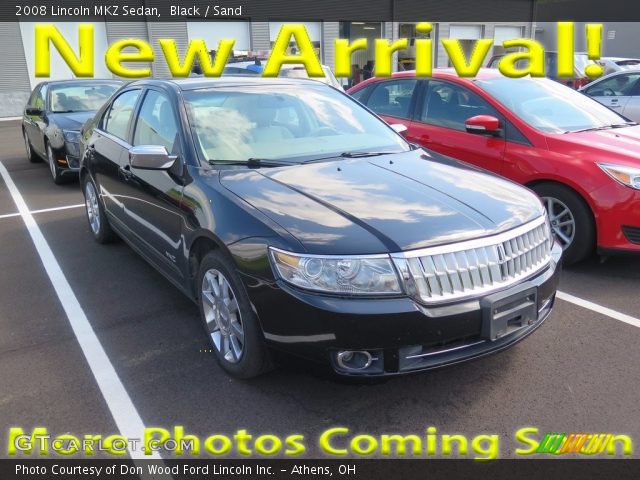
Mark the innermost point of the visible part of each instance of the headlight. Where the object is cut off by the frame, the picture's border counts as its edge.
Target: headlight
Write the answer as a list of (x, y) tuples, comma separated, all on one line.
[(628, 176), (350, 275), (71, 136)]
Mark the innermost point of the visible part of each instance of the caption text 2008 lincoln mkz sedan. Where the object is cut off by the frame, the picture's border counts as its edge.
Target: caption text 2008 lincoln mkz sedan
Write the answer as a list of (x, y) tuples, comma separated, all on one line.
[(299, 221)]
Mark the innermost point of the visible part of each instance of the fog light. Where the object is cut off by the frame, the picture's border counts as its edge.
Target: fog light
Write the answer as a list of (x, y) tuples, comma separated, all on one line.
[(354, 359)]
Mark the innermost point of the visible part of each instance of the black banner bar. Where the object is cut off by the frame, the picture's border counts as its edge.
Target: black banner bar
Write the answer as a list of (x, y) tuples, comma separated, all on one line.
[(325, 10), (336, 469)]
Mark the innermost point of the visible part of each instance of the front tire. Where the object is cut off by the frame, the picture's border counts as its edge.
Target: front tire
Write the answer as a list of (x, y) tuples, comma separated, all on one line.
[(56, 172), (231, 325), (98, 222), (571, 221)]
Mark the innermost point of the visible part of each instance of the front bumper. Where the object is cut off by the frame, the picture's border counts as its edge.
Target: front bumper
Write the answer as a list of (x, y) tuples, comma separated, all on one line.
[(617, 218), (401, 335), (67, 159)]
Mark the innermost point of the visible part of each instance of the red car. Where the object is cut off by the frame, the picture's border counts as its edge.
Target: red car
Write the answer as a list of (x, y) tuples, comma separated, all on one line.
[(580, 157)]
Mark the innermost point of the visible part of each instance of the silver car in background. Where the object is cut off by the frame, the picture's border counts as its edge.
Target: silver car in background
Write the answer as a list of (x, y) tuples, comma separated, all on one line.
[(619, 91), (617, 64)]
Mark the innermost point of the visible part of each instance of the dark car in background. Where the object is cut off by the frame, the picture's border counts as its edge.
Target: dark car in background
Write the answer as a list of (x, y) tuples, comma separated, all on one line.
[(287, 70), (299, 221), (53, 118)]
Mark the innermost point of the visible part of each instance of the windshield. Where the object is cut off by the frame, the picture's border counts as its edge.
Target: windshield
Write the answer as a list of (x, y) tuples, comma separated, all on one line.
[(549, 106), (284, 122), (80, 97)]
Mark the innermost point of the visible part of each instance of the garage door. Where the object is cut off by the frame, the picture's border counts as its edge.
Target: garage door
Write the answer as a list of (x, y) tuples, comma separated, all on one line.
[(213, 32), (465, 32), (503, 33)]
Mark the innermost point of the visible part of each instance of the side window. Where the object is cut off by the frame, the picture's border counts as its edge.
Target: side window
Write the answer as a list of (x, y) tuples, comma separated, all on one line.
[(512, 134), (449, 105), (362, 93), (392, 98), (620, 85), (116, 119), (37, 97), (156, 123)]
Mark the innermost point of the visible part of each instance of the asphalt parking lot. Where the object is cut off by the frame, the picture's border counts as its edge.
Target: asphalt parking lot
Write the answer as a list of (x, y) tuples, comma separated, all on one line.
[(578, 372)]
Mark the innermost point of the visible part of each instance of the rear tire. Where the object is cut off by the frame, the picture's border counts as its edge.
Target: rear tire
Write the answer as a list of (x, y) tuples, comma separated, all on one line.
[(230, 323), (31, 155), (571, 220), (98, 222)]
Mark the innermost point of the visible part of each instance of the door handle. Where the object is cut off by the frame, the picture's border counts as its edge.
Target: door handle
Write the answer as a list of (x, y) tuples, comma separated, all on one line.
[(425, 138)]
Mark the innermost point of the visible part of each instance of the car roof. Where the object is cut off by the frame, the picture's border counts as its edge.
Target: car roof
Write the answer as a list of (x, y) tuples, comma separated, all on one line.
[(263, 63), (196, 83), (444, 73), (618, 59), (71, 81), (617, 73)]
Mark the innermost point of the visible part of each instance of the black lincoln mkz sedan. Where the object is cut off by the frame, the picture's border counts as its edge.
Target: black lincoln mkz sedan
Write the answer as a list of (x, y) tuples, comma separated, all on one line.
[(53, 118), (298, 220)]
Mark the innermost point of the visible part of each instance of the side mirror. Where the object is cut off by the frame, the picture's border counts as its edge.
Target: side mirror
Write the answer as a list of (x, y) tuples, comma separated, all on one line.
[(483, 124), (399, 128), (33, 111), (150, 157)]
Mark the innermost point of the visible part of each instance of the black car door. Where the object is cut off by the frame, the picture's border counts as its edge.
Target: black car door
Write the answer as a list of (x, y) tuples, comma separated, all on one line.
[(152, 198), (109, 147), (34, 124)]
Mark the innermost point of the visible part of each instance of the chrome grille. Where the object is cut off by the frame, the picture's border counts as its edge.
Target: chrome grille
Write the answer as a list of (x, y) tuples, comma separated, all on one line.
[(479, 266)]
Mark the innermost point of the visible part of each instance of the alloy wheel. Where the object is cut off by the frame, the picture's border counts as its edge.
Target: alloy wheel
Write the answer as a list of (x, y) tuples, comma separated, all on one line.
[(93, 209), (27, 146), (222, 314), (52, 164), (562, 221)]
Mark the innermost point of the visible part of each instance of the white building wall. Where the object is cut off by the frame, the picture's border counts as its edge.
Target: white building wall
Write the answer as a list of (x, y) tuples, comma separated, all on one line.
[(59, 68)]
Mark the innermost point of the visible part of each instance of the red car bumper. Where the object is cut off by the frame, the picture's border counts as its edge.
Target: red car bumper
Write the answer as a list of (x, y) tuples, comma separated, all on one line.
[(617, 217)]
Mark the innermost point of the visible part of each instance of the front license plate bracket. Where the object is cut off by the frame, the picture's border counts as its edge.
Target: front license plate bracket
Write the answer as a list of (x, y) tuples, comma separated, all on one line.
[(505, 312)]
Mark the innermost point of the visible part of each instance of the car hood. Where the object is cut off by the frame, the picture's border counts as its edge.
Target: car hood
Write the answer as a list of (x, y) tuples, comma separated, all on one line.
[(70, 121), (619, 144), (380, 204)]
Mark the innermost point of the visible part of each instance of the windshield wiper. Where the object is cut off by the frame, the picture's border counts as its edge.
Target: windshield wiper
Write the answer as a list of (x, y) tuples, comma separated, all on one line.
[(251, 162), (603, 127), (357, 154)]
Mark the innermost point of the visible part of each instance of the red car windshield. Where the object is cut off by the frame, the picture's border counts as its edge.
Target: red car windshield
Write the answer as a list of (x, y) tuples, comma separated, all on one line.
[(549, 106)]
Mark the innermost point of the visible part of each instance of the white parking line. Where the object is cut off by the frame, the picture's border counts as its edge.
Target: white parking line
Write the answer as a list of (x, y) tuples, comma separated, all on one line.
[(120, 405), (623, 317), (43, 210)]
